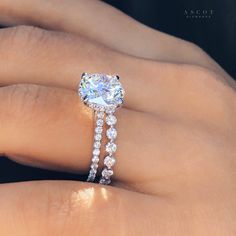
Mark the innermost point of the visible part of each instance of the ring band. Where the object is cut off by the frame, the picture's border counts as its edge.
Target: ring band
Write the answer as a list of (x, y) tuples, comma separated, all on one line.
[(109, 160), (104, 94), (96, 146)]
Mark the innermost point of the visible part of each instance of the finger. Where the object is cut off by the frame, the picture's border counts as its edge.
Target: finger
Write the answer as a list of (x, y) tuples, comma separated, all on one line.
[(106, 25), (50, 128), (31, 55), (73, 208)]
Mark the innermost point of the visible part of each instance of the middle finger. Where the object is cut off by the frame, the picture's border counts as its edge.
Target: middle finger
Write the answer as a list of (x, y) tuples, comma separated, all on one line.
[(31, 55)]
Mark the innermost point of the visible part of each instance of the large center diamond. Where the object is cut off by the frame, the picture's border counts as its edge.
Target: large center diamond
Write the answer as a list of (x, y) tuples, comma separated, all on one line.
[(100, 90)]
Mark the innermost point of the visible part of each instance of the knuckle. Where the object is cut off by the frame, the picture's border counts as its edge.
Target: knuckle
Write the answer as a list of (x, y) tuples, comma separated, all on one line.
[(194, 47), (66, 209), (77, 210), (201, 58), (35, 105), (200, 76), (25, 95), (42, 212), (21, 101), (210, 94), (24, 36), (198, 51)]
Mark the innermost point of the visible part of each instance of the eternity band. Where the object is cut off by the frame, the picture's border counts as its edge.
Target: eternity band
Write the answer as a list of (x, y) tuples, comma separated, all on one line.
[(104, 94)]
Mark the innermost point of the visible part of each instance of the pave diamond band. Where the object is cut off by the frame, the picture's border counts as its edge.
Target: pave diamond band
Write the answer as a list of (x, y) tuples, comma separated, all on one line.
[(96, 146), (103, 93)]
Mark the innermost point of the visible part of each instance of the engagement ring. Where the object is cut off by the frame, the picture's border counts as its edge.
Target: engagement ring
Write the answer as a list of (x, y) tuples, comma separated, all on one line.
[(104, 94)]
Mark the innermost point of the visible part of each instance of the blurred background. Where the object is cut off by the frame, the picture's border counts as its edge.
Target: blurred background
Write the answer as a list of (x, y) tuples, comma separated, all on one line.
[(211, 24)]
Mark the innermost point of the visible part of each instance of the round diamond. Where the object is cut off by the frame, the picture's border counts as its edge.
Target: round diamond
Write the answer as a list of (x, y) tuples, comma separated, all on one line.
[(100, 115), (91, 177), (93, 171), (98, 130), (101, 90), (96, 152), (105, 181), (111, 133), (97, 145), (107, 173), (109, 161), (111, 147), (98, 137), (95, 159), (111, 120), (94, 167), (99, 122)]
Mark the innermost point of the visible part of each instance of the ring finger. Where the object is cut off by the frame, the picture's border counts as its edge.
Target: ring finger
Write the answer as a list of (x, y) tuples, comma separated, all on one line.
[(51, 128), (31, 55)]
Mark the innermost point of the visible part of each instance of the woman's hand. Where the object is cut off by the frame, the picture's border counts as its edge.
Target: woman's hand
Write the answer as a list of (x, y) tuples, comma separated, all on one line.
[(176, 161)]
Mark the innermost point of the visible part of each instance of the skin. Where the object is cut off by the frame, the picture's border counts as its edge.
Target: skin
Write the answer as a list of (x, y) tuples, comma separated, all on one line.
[(176, 161)]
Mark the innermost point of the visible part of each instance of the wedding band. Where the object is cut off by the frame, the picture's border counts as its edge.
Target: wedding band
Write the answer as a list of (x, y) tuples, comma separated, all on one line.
[(104, 94)]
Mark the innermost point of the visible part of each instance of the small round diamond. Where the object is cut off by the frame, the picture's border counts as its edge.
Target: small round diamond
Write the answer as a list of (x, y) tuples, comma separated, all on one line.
[(95, 159), (94, 167), (98, 130), (111, 133), (97, 144), (111, 120), (111, 147), (96, 152), (91, 177), (98, 137), (107, 173), (100, 115), (105, 181), (93, 171), (100, 122), (109, 161), (110, 110)]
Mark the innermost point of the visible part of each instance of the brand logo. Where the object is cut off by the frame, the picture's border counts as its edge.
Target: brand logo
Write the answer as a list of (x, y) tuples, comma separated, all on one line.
[(198, 13)]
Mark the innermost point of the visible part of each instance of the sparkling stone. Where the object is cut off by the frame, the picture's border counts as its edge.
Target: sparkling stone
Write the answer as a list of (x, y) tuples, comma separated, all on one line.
[(100, 122), (96, 152), (111, 147), (92, 174), (91, 178), (111, 133), (101, 90), (94, 167), (100, 115), (98, 137), (95, 159), (111, 120), (109, 161), (107, 173), (105, 181), (93, 171), (97, 145), (98, 130)]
